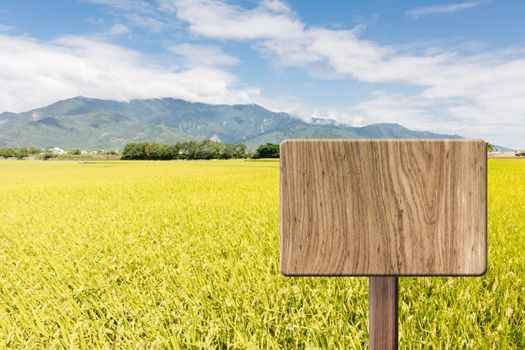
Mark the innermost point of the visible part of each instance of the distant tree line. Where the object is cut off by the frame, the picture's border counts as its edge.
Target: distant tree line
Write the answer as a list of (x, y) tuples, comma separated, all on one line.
[(22, 152), (184, 150), (206, 149), (51, 152)]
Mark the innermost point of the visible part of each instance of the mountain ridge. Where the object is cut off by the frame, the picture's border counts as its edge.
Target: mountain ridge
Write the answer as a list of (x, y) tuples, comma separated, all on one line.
[(89, 123)]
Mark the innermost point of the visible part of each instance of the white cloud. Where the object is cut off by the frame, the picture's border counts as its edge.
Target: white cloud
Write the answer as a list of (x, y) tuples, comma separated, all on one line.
[(35, 73), (137, 13), (203, 55), (449, 8), (151, 23), (475, 95), (455, 92), (276, 6), (5, 28), (118, 29), (216, 19)]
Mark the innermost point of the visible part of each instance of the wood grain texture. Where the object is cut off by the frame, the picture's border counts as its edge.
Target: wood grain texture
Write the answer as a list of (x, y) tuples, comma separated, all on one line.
[(382, 309), (383, 207)]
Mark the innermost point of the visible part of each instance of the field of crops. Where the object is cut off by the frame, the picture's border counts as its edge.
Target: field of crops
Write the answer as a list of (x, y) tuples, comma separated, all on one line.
[(185, 254)]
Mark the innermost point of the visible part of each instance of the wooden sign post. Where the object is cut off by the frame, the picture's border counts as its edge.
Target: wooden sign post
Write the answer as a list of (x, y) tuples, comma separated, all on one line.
[(383, 208)]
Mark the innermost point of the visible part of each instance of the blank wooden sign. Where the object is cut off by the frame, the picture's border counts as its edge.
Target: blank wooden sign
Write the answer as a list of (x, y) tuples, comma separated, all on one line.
[(383, 207)]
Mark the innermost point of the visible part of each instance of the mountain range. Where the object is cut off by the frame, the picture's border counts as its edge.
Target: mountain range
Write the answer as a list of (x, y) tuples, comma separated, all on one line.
[(89, 123)]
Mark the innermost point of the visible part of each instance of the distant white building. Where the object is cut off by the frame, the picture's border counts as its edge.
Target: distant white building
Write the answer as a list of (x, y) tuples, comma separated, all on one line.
[(215, 138), (501, 154), (85, 152), (56, 150)]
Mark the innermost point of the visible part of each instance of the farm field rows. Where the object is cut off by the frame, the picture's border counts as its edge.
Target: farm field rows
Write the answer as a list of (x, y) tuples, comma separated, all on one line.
[(185, 254)]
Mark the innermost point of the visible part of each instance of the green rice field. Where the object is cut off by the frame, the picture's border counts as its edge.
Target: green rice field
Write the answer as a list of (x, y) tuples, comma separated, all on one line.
[(185, 255)]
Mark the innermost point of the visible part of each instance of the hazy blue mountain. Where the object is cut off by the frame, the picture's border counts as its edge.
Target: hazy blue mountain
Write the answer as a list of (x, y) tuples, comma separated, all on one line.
[(502, 149), (88, 123)]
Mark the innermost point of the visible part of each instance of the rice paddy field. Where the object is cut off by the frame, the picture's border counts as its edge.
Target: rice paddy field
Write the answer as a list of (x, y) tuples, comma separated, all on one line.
[(185, 255)]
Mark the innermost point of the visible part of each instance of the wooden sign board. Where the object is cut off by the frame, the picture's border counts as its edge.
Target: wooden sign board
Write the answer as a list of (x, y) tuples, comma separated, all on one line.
[(383, 207)]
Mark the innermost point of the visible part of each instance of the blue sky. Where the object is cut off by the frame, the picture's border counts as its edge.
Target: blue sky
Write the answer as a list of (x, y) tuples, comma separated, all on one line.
[(443, 66)]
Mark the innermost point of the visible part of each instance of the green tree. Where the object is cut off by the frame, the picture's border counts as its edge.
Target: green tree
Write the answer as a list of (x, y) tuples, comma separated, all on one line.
[(206, 149), (490, 147), (134, 151), (19, 153), (268, 150)]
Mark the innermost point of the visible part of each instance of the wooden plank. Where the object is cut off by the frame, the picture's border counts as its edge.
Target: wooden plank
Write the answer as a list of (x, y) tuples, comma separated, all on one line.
[(383, 207), (382, 310)]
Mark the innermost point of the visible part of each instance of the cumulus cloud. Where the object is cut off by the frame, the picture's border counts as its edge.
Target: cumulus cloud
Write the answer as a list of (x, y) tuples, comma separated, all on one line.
[(454, 92), (35, 73), (477, 94), (216, 19)]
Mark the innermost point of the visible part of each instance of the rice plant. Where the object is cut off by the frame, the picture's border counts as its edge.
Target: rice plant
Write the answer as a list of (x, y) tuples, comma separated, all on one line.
[(185, 255)]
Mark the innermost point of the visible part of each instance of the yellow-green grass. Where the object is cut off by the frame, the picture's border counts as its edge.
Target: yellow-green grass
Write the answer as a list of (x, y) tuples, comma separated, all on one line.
[(186, 255)]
